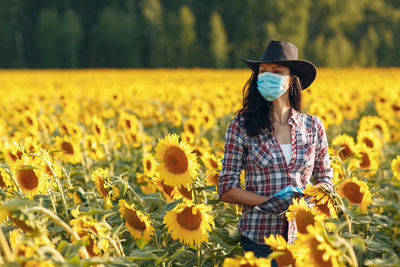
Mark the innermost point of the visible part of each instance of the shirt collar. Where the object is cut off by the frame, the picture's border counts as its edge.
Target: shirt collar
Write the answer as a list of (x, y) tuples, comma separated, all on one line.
[(294, 116)]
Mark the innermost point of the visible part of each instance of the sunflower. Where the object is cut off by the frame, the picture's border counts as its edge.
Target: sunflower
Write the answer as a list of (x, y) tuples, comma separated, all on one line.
[(185, 192), (338, 171), (70, 149), (278, 243), (211, 162), (369, 160), (137, 223), (247, 260), (37, 263), (70, 129), (188, 138), (355, 191), (319, 110), (303, 215), (212, 178), (89, 229), (208, 121), (175, 117), (101, 179), (127, 122), (149, 165), (133, 138), (93, 147), (396, 167), (167, 191), (191, 127), (345, 146), (189, 222), (98, 128), (5, 180), (312, 249), (178, 165), (19, 243), (31, 179), (324, 203), (377, 125), (370, 139), (12, 151)]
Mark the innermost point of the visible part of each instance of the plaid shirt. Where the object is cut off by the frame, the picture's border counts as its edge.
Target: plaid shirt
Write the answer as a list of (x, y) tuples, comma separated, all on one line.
[(266, 170)]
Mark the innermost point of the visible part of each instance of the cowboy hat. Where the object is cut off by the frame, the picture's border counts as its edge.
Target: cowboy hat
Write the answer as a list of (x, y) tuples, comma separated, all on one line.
[(285, 53)]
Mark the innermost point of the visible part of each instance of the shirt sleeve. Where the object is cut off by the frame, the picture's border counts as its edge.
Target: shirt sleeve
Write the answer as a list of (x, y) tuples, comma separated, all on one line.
[(322, 172), (233, 160)]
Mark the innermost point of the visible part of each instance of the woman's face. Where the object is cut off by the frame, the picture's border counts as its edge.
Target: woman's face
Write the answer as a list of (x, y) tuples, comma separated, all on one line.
[(277, 69)]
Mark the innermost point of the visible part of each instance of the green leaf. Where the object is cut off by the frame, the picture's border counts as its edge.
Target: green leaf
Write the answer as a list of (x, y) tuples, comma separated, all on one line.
[(142, 255), (141, 242), (18, 203)]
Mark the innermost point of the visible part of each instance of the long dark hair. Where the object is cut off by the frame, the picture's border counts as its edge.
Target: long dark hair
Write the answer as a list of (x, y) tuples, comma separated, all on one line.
[(257, 111)]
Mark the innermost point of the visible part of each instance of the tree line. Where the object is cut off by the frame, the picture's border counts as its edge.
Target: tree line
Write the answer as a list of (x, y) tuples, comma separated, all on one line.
[(207, 33)]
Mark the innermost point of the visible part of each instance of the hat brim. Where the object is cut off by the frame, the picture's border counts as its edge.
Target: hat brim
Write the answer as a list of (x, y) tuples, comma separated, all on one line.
[(305, 69)]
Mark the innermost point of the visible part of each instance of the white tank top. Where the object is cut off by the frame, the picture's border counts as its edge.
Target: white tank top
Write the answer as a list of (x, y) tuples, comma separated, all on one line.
[(287, 151)]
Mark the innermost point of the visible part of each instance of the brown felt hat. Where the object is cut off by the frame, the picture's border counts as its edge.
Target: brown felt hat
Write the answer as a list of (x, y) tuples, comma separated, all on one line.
[(285, 53)]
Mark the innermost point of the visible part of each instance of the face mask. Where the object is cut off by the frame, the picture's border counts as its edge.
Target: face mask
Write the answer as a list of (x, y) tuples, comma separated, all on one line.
[(271, 85)]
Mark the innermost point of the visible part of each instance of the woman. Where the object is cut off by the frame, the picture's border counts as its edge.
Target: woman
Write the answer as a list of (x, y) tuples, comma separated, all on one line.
[(274, 143)]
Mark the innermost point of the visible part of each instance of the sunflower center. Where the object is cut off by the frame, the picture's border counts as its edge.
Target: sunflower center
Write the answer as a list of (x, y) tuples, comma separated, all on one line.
[(324, 209), (98, 129), (191, 129), (368, 142), (128, 123), (185, 192), (148, 165), (365, 163), (28, 179), (167, 188), (188, 220), (176, 160), (213, 178), (103, 190), (213, 163), (133, 220), (317, 254), (345, 152), (285, 259), (352, 193), (2, 183), (303, 218), (67, 147)]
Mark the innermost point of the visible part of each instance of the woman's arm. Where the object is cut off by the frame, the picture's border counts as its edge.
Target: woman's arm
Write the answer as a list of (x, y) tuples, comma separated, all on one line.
[(244, 197)]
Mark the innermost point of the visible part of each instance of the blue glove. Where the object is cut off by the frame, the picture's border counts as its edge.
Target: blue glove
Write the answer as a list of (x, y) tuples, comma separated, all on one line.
[(288, 190)]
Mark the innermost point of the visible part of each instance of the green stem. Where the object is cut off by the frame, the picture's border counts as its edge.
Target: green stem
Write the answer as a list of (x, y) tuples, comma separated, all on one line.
[(5, 247), (198, 255), (60, 222), (51, 199), (57, 181), (114, 244)]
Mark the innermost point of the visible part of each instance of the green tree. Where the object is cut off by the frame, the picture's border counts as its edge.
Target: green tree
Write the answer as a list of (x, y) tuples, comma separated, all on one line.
[(114, 39), (48, 38), (218, 41), (153, 27), (288, 20), (187, 36), (72, 32)]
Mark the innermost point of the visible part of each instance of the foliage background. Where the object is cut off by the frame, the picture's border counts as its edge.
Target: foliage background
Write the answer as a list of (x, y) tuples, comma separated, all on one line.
[(176, 33)]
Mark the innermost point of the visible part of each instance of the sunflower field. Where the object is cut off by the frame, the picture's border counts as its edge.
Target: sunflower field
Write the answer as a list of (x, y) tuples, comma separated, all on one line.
[(119, 168)]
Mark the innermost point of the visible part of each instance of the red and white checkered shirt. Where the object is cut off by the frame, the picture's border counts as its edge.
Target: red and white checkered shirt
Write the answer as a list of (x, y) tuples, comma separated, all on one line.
[(266, 170)]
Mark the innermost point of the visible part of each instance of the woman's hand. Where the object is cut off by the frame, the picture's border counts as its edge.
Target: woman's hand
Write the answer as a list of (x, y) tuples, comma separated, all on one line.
[(243, 197)]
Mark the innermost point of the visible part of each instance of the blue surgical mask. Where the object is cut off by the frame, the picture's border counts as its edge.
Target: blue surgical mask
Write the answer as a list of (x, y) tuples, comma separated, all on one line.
[(271, 85)]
